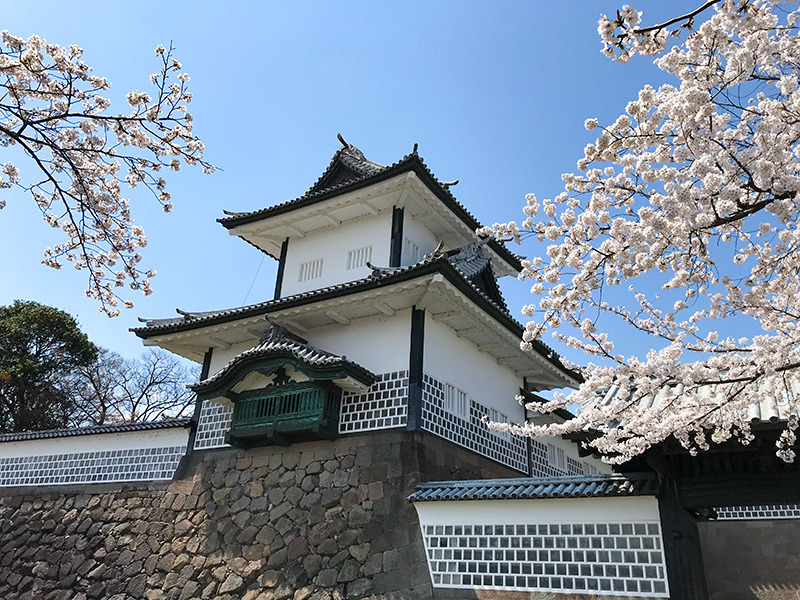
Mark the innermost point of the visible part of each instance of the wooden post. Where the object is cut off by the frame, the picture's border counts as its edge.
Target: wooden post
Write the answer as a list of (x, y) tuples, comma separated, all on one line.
[(281, 268), (682, 552), (396, 244), (414, 419)]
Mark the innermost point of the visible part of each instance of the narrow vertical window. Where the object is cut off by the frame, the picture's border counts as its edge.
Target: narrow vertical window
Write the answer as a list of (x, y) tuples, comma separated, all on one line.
[(310, 270), (456, 401), (359, 257), (556, 457), (411, 251)]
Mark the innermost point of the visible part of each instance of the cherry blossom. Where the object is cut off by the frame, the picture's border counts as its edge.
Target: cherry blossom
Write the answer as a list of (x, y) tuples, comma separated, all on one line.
[(84, 159), (682, 214)]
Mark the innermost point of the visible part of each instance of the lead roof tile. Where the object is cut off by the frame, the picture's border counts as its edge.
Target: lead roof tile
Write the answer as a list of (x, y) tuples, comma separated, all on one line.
[(96, 430), (573, 486)]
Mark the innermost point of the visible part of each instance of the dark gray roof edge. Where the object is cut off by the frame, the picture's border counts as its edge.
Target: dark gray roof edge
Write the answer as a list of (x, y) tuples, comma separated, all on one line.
[(441, 264), (527, 488), (96, 430), (413, 161)]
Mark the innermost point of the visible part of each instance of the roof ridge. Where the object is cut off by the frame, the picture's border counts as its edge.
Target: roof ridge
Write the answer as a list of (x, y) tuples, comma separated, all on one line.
[(280, 340), (95, 429)]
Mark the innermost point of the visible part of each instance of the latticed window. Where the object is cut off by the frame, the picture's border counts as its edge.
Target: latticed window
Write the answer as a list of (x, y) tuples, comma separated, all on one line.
[(411, 251), (359, 257), (456, 401), (311, 269), (556, 457), (291, 409)]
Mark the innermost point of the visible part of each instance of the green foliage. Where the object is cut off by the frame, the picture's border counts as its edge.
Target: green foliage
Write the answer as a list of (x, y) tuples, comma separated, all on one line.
[(40, 347)]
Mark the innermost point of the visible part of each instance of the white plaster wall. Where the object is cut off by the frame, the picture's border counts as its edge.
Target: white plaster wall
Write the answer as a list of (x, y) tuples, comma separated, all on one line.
[(222, 356), (571, 450), (159, 438), (547, 510), (380, 344), (332, 245), (420, 235), (459, 362)]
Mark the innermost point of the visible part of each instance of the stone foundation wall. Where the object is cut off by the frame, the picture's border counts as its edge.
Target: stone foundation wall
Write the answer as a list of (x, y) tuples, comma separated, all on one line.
[(751, 560), (307, 522)]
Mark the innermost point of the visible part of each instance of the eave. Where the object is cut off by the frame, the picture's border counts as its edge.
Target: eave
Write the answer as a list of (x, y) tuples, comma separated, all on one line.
[(437, 287), (269, 227)]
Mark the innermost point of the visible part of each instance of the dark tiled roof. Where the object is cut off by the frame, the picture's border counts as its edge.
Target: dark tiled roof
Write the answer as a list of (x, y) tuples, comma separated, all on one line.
[(380, 277), (278, 340), (352, 158), (578, 486), (769, 408), (368, 172), (96, 430)]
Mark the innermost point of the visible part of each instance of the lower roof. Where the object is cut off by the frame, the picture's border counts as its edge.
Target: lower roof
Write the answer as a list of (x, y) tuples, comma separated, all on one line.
[(529, 488), (386, 291), (96, 430)]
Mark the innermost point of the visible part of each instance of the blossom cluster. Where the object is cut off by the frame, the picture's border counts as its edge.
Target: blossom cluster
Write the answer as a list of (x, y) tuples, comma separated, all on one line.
[(53, 108), (686, 208)]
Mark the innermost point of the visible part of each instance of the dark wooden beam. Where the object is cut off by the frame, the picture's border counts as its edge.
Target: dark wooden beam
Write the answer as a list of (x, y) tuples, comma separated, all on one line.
[(396, 245), (414, 419), (744, 489), (682, 552), (198, 404), (281, 268)]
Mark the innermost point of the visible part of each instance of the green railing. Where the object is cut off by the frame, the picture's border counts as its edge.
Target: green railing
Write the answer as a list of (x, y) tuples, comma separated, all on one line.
[(295, 406)]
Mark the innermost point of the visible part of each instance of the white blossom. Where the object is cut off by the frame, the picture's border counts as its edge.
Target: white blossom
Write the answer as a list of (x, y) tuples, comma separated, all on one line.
[(695, 188), (52, 110)]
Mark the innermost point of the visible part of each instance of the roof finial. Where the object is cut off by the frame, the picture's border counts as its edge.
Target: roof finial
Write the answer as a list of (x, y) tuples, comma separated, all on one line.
[(341, 139), (449, 183), (414, 151)]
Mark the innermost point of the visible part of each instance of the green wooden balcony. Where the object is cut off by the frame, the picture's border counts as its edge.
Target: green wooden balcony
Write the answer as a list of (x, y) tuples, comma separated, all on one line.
[(296, 412)]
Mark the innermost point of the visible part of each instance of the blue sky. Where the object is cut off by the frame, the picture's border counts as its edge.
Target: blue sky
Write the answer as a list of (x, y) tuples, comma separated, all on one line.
[(494, 93)]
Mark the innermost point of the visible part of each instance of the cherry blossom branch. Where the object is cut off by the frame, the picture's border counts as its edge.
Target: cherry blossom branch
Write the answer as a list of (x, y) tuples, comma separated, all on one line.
[(51, 106)]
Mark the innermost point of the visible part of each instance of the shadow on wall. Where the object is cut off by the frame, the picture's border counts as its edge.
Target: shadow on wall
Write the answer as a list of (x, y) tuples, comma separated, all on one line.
[(780, 591), (752, 560)]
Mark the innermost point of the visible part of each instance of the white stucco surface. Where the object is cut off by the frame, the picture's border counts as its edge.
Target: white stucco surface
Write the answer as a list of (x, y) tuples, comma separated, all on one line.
[(419, 235), (460, 363), (222, 356), (550, 510), (160, 438), (380, 344), (332, 245)]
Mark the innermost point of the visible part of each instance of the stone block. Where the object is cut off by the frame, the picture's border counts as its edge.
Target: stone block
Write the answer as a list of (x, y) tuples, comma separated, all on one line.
[(348, 571), (233, 583), (297, 548), (339, 558), (359, 588), (358, 516), (293, 495), (280, 510), (330, 496), (312, 565), (328, 548), (269, 578), (373, 564), (327, 578), (360, 552), (247, 535), (278, 559), (291, 460), (340, 478)]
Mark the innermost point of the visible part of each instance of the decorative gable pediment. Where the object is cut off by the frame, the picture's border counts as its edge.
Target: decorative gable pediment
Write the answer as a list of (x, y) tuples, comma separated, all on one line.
[(348, 164), (283, 390)]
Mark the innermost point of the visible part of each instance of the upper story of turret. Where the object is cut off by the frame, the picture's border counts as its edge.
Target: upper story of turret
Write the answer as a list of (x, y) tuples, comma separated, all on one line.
[(361, 213)]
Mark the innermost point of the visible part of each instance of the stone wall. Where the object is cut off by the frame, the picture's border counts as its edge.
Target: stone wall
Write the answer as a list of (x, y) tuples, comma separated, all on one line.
[(311, 521), (751, 560)]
